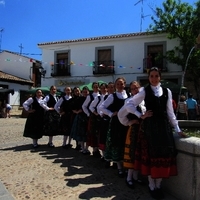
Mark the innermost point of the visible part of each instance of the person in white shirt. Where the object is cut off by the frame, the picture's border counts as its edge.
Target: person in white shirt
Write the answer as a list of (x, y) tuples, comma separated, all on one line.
[(91, 137), (51, 118), (156, 151), (97, 114), (34, 125), (117, 132), (128, 119), (63, 107)]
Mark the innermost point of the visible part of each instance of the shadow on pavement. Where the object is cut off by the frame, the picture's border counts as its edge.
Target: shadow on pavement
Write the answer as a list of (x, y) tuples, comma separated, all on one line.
[(88, 174)]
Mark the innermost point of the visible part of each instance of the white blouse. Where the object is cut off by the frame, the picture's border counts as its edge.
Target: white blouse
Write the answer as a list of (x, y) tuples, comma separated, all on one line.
[(123, 112), (103, 107), (43, 103), (29, 101), (87, 101), (133, 102), (59, 102)]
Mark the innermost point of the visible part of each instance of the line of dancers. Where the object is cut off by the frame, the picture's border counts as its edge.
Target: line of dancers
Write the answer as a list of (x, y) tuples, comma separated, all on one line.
[(131, 129)]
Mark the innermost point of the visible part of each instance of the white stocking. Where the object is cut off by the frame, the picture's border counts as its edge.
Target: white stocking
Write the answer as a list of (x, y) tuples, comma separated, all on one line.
[(158, 182), (152, 184), (135, 175), (130, 174)]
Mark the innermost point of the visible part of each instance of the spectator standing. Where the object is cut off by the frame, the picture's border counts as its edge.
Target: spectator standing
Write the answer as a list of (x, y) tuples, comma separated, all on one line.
[(192, 107), (182, 109)]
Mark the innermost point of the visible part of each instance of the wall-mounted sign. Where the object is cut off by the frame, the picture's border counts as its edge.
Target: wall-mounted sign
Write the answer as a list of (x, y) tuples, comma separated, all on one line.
[(69, 82)]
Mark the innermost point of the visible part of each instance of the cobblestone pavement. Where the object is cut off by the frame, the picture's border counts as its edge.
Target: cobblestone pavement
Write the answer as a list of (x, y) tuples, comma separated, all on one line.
[(56, 173)]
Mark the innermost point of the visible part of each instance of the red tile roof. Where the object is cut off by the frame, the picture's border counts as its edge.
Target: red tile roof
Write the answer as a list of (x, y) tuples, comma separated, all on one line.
[(97, 38), (11, 78)]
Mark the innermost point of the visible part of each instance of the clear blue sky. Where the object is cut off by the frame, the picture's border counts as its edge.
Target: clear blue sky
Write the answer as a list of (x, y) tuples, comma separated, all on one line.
[(29, 22)]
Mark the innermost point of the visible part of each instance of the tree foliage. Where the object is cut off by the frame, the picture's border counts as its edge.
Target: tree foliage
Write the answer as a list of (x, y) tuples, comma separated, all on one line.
[(180, 21)]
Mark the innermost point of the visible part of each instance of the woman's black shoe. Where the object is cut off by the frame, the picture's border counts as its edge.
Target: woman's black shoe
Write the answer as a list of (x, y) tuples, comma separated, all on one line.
[(107, 165), (153, 193), (160, 194), (78, 147), (130, 184), (139, 181), (114, 166), (121, 173)]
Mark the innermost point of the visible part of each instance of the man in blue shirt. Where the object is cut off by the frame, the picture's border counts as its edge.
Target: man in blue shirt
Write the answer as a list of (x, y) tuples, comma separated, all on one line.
[(192, 108)]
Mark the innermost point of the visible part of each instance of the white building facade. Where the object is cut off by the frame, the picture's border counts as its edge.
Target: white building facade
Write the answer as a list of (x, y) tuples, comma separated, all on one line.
[(77, 62)]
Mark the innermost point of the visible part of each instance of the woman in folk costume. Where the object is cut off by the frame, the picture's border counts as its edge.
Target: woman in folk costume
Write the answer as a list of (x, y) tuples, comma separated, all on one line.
[(63, 107), (104, 119), (91, 138), (128, 119), (35, 120), (155, 154), (51, 117), (96, 117), (117, 132), (79, 126)]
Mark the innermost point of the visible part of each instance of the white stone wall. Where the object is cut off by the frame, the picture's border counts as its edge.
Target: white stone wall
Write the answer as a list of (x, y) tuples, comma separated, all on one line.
[(186, 185)]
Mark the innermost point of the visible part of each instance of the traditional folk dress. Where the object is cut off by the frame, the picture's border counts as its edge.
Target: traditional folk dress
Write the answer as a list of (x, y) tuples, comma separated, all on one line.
[(79, 126), (117, 132), (132, 134), (155, 153), (35, 121), (64, 105), (91, 138), (103, 125), (51, 117)]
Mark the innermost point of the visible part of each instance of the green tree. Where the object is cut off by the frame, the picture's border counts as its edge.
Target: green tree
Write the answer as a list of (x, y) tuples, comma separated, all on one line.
[(181, 21)]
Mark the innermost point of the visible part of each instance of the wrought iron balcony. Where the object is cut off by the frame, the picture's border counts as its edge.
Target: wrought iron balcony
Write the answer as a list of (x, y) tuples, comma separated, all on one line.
[(148, 64), (103, 67), (60, 70)]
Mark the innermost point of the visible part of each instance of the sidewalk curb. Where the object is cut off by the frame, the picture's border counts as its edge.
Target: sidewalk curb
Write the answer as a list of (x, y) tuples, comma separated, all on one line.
[(4, 194)]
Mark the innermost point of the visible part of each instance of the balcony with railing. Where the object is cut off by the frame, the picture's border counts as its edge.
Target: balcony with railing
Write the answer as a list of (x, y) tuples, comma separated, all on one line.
[(159, 63), (60, 70), (103, 67)]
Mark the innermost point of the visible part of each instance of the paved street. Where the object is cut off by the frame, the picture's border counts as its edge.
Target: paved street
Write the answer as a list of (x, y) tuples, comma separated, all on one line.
[(57, 173)]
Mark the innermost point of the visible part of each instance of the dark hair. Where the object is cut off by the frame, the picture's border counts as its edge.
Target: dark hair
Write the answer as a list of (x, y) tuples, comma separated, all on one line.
[(94, 83), (135, 83), (76, 88), (154, 69), (122, 79), (104, 84), (190, 95), (85, 88), (73, 90), (110, 83), (52, 87)]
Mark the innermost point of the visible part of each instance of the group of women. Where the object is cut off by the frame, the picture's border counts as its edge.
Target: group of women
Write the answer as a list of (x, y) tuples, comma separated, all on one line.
[(133, 130)]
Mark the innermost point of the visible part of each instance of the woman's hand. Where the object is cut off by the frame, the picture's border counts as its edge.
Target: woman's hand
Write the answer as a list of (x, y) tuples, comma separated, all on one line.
[(115, 113), (148, 113), (134, 121), (181, 134), (31, 111), (62, 113)]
